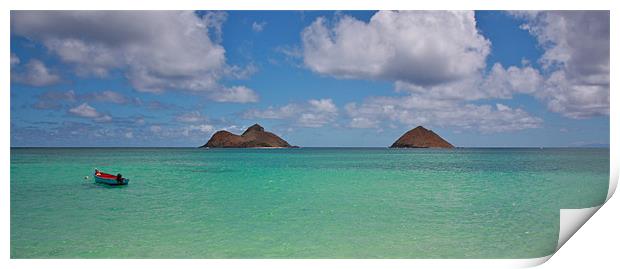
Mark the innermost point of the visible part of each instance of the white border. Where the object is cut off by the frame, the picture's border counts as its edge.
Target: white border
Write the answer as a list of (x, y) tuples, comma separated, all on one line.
[(282, 5), (311, 5)]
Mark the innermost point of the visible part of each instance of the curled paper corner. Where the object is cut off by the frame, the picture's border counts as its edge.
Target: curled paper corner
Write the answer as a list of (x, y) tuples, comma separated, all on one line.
[(571, 220), (527, 263), (534, 262), (613, 181)]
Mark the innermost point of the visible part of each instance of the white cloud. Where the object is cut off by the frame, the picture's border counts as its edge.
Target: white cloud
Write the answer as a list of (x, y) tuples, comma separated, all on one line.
[(205, 128), (576, 54), (86, 111), (14, 59), (411, 111), (363, 122), (197, 132), (418, 47), (290, 52), (108, 96), (237, 72), (56, 99), (502, 83), (499, 82), (283, 112), (237, 94), (315, 113), (439, 58), (214, 21), (139, 120), (155, 128), (103, 118), (35, 73), (157, 50), (313, 119), (258, 26), (323, 105), (193, 116), (575, 100)]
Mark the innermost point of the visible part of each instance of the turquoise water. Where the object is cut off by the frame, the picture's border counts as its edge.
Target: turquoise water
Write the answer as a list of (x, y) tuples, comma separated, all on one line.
[(298, 203)]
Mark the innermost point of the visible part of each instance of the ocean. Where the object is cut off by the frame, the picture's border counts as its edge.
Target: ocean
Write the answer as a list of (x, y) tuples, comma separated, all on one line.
[(299, 203)]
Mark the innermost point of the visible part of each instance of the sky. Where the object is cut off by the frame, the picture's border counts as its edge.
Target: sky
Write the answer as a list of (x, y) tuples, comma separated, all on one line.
[(316, 78)]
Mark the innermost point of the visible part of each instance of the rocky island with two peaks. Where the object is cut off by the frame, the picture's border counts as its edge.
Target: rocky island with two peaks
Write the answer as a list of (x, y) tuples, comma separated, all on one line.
[(253, 137), (257, 137), (420, 137)]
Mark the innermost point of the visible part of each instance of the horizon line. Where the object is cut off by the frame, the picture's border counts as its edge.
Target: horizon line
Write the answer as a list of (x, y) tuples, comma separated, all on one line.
[(374, 147)]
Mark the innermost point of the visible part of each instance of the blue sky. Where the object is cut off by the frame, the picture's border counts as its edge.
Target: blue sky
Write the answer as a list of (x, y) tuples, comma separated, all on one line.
[(318, 78)]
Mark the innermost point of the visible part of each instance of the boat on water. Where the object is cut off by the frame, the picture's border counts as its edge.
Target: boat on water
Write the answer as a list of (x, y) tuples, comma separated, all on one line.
[(105, 178)]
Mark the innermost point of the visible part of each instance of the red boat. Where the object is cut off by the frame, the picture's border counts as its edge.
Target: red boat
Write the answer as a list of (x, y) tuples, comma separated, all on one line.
[(105, 178)]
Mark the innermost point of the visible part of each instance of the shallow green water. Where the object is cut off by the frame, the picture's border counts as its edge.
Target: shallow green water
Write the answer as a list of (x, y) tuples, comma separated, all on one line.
[(299, 203)]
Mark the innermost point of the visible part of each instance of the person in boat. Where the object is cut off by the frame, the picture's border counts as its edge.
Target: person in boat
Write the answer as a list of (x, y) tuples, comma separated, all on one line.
[(119, 178)]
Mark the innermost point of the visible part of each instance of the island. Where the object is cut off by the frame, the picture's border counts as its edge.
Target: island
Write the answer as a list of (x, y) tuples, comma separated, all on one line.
[(420, 137), (253, 137)]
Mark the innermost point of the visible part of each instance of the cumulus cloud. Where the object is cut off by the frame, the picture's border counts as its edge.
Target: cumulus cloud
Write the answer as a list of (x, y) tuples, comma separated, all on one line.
[(86, 111), (93, 133), (56, 99), (573, 99), (139, 120), (157, 50), (258, 26), (411, 110), (439, 59), (503, 82), (314, 113), (237, 94), (214, 21), (14, 59), (205, 128), (362, 121), (189, 124), (155, 128), (108, 97), (34, 73), (417, 47), (498, 83), (157, 105), (193, 116), (277, 113), (194, 131), (438, 54), (576, 45), (323, 106)]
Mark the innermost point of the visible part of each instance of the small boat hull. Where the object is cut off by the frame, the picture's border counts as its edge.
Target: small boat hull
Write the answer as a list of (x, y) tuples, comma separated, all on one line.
[(124, 181), (105, 178)]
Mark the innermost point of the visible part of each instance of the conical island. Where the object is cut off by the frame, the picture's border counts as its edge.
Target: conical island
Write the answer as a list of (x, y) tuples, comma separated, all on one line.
[(420, 137), (253, 137)]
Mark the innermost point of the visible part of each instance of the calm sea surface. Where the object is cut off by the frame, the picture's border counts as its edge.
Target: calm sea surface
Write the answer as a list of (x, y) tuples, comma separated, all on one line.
[(298, 203)]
